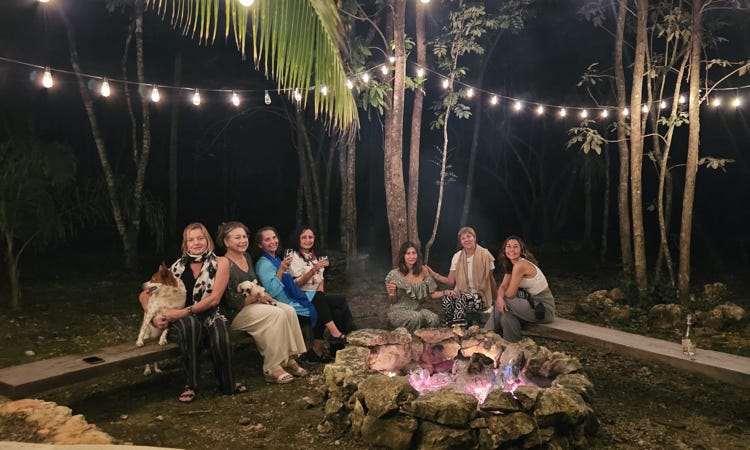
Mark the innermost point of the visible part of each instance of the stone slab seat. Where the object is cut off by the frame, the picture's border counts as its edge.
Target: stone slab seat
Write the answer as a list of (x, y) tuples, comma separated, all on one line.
[(725, 367), (25, 379)]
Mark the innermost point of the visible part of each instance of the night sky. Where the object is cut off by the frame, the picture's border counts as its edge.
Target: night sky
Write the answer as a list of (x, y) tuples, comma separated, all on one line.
[(239, 163)]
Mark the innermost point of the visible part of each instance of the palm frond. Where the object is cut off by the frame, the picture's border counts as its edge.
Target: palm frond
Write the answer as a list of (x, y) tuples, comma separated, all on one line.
[(299, 42)]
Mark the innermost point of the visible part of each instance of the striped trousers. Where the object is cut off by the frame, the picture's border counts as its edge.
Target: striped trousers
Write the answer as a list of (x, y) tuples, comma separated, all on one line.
[(192, 334)]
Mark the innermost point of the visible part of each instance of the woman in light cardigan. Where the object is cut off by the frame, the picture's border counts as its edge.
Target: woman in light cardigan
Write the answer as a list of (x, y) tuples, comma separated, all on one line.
[(470, 279)]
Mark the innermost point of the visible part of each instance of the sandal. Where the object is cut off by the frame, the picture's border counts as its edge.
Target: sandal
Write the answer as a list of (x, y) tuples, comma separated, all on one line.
[(240, 388), (187, 395), (296, 370), (281, 379)]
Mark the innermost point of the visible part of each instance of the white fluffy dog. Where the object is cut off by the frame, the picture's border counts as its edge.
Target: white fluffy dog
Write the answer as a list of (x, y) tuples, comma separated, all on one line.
[(250, 288)]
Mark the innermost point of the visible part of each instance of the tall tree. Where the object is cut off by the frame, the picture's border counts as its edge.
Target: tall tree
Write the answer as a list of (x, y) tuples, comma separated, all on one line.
[(416, 129)]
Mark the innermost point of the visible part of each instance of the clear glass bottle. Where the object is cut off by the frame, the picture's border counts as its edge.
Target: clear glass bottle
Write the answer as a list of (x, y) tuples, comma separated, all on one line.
[(688, 339)]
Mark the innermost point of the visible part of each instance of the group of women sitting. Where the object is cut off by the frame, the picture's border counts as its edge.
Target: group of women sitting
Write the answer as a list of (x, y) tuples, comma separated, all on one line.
[(294, 296), (522, 296)]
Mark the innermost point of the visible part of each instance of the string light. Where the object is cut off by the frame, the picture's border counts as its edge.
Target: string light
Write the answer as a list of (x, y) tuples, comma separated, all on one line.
[(645, 109), (736, 103), (247, 3), (43, 1), (235, 99), (663, 105), (349, 85), (392, 59), (365, 77), (446, 83), (196, 98), (470, 92), (420, 72), (267, 98), (717, 102), (493, 100), (626, 112), (384, 69), (425, 1), (604, 114), (297, 95), (584, 114), (563, 112), (517, 106), (47, 78), (540, 110), (324, 90), (681, 100), (155, 94), (105, 88)]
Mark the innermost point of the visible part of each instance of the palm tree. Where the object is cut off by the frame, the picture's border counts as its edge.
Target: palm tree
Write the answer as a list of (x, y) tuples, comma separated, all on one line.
[(294, 40)]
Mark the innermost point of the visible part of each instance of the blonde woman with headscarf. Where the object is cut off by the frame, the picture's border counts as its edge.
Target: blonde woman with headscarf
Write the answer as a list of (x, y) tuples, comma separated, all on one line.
[(470, 278)]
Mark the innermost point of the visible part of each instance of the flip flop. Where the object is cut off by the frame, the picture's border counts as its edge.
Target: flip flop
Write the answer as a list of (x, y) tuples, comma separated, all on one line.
[(297, 372), (187, 395), (281, 379)]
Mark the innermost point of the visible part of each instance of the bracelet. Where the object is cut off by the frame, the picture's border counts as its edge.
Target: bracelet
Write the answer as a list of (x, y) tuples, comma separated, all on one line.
[(190, 310)]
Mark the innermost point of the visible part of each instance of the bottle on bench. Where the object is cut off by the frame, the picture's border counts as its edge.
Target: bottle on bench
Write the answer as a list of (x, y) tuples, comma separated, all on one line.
[(688, 340)]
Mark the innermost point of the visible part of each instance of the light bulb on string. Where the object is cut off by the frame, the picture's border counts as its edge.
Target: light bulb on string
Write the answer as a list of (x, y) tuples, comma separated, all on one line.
[(645, 109), (384, 69), (663, 105), (365, 77), (604, 113), (349, 85), (493, 100), (626, 112), (247, 3), (324, 90), (105, 88), (197, 98), (540, 110), (717, 102), (47, 78), (235, 99), (392, 59), (563, 112), (681, 100), (470, 93), (446, 83), (425, 1), (155, 94), (267, 98), (420, 72), (297, 95), (584, 114), (43, 1), (737, 102), (517, 106)]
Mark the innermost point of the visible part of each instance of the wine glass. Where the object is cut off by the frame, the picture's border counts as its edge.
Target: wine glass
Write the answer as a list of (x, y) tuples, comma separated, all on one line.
[(288, 253)]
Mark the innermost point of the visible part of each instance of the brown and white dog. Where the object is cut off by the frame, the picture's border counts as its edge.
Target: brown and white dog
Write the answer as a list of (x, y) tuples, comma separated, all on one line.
[(250, 288), (167, 292)]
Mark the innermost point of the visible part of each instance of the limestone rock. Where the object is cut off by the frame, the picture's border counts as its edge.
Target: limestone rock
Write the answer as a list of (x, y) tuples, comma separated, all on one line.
[(714, 294), (576, 382), (445, 407), (502, 401), (438, 437), (367, 337), (665, 316), (389, 358), (510, 427), (434, 335), (394, 433), (724, 316), (560, 406), (383, 394)]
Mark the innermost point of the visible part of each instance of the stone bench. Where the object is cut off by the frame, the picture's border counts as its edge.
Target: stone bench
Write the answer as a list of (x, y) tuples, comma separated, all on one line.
[(725, 367)]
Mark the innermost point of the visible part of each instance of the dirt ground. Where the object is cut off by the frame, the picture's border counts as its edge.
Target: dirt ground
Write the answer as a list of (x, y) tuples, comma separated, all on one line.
[(640, 406)]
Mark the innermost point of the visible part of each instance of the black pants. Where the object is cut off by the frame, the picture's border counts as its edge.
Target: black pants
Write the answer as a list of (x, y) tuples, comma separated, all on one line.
[(330, 308)]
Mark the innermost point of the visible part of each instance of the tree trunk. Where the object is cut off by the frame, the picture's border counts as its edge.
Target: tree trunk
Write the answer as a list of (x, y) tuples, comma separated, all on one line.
[(395, 195), (605, 206), (416, 131), (623, 204), (588, 201), (348, 221), (173, 139), (636, 146), (441, 185), (691, 166), (14, 274)]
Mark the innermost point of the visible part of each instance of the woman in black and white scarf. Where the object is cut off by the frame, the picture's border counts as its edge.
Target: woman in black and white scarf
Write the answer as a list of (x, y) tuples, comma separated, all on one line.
[(200, 323)]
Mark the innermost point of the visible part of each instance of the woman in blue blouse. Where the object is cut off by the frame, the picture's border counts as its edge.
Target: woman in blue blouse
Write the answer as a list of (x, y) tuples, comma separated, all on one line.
[(274, 276)]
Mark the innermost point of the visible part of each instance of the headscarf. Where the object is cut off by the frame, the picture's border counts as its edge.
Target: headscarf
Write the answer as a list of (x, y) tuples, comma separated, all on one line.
[(204, 284), (292, 290)]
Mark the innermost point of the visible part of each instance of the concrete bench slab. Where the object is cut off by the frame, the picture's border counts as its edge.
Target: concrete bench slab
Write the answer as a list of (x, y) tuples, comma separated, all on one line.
[(725, 367)]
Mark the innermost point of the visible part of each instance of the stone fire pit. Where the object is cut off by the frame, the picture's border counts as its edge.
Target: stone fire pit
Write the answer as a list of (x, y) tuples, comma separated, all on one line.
[(438, 389)]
